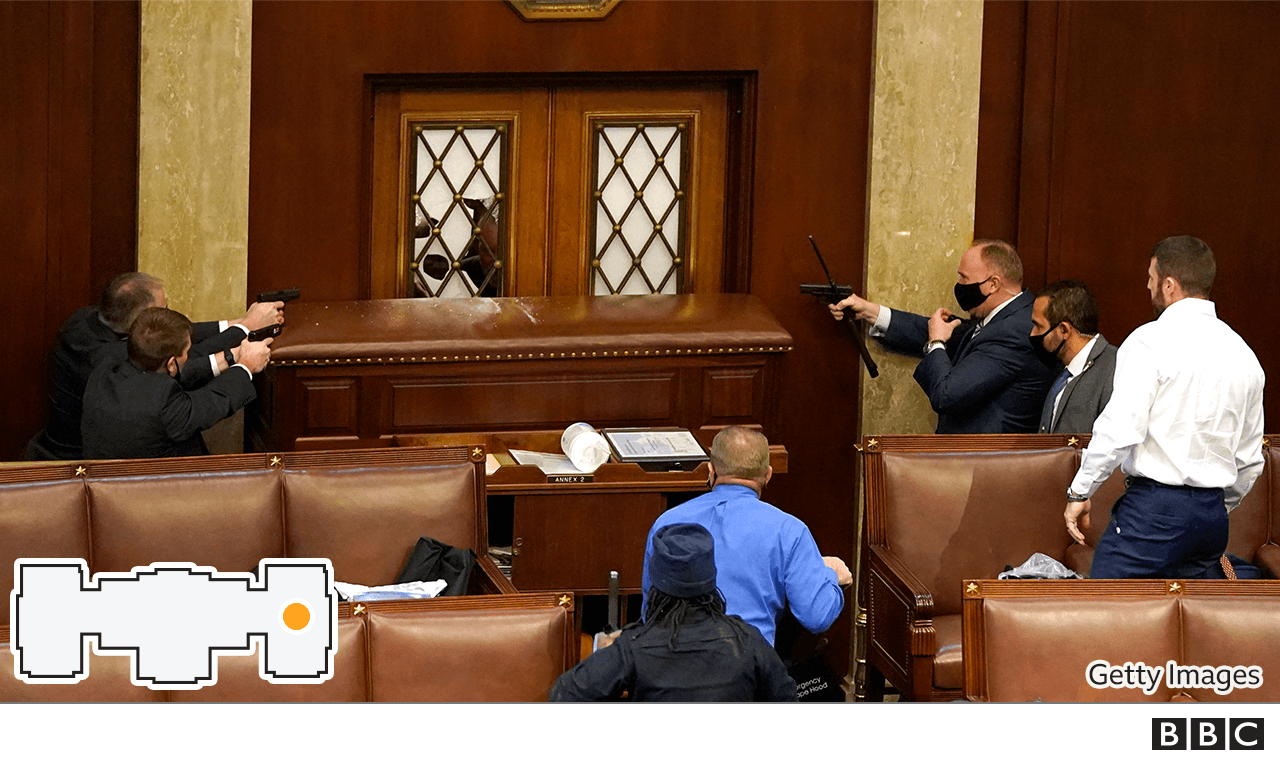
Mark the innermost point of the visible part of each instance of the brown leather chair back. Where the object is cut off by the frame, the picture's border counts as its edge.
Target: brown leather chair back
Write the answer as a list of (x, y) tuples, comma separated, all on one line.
[(491, 648), (367, 521), (490, 655), (1034, 640), (229, 520), (1039, 649), (1233, 631), (954, 515), (50, 519), (363, 509), (239, 681), (108, 682)]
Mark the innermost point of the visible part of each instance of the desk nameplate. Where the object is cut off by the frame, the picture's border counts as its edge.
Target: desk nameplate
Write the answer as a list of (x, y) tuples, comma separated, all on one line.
[(570, 478)]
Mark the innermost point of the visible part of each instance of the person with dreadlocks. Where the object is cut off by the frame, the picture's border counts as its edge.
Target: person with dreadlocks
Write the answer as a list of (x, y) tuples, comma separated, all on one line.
[(687, 648)]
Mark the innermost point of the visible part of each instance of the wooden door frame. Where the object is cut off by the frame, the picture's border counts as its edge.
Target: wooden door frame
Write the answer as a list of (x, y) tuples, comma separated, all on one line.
[(739, 160)]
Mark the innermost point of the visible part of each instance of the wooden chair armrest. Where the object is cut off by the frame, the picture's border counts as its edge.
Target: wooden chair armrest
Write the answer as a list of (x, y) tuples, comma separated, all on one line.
[(487, 579), (902, 582)]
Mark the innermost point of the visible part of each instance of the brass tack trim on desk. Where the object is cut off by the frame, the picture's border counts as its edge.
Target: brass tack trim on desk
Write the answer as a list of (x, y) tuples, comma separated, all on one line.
[(531, 356)]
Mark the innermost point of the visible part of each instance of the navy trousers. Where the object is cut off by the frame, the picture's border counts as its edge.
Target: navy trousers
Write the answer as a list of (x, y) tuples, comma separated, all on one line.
[(1163, 531)]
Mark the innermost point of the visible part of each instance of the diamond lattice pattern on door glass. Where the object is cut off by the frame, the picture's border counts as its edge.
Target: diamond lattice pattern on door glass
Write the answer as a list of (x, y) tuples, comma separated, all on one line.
[(459, 177), (640, 207)]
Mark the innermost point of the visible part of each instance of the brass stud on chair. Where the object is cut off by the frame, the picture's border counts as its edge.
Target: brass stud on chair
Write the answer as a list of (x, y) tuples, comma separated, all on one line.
[(275, 461), (971, 588), (564, 600), (1073, 441), (80, 471), (357, 610), (1175, 587)]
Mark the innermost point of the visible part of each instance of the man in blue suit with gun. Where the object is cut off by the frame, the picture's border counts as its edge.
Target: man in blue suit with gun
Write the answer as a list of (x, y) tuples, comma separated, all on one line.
[(980, 374)]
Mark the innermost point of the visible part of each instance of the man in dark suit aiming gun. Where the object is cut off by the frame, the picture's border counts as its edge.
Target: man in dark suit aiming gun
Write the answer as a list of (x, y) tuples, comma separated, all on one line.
[(136, 408), (980, 375)]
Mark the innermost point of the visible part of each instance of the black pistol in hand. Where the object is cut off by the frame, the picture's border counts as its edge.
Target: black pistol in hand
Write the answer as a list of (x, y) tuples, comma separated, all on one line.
[(283, 295), (258, 335), (832, 293)]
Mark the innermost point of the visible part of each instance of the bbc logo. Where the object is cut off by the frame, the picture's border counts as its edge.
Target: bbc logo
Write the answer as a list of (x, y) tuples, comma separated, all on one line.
[(1206, 734)]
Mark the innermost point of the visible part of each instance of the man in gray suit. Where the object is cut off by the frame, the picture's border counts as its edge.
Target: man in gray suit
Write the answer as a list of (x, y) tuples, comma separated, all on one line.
[(1064, 332)]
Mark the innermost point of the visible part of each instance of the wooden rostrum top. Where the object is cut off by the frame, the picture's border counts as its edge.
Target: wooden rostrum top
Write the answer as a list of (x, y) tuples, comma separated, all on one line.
[(525, 328)]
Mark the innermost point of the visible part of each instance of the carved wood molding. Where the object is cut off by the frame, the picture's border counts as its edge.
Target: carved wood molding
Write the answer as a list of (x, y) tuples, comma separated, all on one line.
[(563, 10)]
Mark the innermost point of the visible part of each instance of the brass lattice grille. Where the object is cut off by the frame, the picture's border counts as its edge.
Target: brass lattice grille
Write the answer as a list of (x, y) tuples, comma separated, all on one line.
[(639, 217), (458, 191)]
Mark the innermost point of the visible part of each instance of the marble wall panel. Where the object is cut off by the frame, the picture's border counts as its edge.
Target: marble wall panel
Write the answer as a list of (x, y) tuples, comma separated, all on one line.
[(193, 161), (924, 149)]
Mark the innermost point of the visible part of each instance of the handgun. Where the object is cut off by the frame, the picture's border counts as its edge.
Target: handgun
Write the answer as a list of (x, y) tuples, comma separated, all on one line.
[(833, 293), (283, 295), (258, 335)]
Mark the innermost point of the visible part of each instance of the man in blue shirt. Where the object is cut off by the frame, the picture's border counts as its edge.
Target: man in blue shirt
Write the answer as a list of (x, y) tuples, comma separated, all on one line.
[(766, 559)]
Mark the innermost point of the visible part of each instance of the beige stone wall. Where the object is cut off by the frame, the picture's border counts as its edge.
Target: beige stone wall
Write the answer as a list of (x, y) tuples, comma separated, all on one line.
[(924, 154), (193, 161), (193, 164)]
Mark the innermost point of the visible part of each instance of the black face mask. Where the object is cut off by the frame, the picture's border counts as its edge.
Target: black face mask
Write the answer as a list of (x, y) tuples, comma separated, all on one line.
[(970, 296), (1047, 357)]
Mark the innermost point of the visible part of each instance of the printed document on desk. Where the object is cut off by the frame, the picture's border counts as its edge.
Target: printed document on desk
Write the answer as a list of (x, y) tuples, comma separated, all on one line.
[(550, 464), (652, 445)]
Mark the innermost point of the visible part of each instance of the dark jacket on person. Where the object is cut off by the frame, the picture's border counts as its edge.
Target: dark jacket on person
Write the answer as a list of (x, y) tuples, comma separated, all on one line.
[(84, 342), (711, 661), (130, 413), (987, 380), (1085, 395)]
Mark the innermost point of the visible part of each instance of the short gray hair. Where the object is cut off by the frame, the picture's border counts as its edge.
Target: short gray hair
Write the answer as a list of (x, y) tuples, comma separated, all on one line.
[(740, 452)]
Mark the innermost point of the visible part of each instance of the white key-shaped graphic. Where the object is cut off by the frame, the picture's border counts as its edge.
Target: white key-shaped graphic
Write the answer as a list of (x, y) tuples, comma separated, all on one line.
[(174, 619)]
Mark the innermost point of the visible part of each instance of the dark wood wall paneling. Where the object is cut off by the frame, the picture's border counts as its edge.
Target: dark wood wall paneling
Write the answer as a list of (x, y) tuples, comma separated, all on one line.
[(68, 180), (309, 193), (1106, 127)]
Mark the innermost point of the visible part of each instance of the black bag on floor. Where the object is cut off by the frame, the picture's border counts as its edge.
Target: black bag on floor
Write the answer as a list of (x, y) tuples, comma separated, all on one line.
[(432, 560)]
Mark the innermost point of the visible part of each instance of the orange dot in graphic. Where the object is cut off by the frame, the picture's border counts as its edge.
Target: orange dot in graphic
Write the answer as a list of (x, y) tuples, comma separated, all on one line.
[(296, 616)]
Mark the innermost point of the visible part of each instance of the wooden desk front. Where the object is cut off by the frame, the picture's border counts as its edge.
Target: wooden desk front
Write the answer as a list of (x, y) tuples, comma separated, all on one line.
[(359, 374), (571, 535)]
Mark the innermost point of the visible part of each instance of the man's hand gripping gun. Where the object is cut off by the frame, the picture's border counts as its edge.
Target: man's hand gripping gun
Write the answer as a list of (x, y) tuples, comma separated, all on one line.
[(833, 293)]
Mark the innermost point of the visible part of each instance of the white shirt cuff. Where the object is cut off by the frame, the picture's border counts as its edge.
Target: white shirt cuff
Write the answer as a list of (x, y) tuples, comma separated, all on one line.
[(213, 363), (224, 325), (881, 325)]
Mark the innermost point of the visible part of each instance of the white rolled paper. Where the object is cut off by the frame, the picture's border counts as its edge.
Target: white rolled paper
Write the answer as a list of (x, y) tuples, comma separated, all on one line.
[(585, 447)]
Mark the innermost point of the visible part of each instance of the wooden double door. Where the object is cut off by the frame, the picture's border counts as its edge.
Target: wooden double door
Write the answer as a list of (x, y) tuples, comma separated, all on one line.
[(549, 190)]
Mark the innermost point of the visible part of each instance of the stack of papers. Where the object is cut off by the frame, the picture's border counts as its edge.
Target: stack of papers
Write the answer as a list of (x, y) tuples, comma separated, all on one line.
[(550, 464)]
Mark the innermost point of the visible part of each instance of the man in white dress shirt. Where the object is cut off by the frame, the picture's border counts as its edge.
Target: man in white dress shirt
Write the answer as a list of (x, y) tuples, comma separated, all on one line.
[(1184, 424)]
